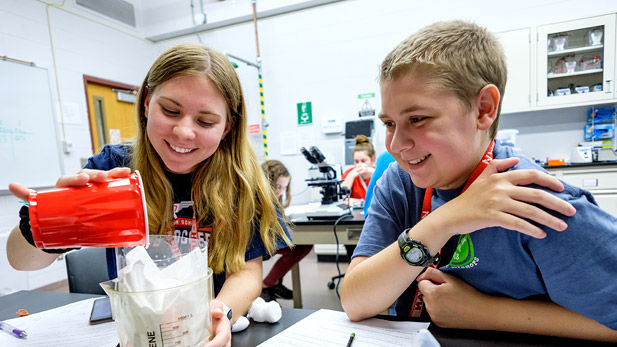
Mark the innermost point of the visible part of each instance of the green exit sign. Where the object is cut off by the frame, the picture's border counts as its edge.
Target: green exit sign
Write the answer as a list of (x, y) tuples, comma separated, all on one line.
[(305, 113)]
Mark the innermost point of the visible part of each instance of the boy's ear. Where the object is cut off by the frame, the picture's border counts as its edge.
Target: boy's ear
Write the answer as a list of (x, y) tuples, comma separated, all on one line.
[(487, 103)]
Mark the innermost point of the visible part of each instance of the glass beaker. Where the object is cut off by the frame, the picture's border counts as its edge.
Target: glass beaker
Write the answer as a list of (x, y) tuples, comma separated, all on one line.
[(560, 42), (595, 37), (570, 66), (163, 298)]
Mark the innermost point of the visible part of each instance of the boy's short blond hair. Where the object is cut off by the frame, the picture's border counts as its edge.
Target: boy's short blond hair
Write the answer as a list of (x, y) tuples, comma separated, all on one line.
[(457, 55)]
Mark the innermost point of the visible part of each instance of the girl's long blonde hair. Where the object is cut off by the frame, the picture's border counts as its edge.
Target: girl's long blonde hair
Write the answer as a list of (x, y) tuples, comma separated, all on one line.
[(229, 192)]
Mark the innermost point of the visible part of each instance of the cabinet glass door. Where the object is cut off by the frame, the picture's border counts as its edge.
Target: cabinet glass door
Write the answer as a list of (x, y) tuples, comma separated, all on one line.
[(576, 61)]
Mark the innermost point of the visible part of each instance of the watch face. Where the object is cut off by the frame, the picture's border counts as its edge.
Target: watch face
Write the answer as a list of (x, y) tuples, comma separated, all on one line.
[(414, 255)]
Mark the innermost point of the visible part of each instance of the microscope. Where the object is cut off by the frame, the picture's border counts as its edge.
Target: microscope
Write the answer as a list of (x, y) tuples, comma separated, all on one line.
[(331, 190)]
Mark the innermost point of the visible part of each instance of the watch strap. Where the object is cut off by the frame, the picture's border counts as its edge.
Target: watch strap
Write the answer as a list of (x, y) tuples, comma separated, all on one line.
[(404, 241)]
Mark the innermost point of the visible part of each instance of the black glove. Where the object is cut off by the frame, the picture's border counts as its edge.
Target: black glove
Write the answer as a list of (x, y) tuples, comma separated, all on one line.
[(26, 231)]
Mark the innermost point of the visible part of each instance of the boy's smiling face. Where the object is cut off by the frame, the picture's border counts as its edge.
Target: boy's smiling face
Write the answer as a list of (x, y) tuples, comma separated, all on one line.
[(429, 132)]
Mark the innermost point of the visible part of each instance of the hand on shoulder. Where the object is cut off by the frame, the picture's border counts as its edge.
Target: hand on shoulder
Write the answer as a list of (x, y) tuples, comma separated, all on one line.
[(502, 199)]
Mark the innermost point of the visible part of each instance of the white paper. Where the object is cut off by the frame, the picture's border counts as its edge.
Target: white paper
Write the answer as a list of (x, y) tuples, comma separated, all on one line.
[(301, 209), (71, 113), (63, 326), (115, 136), (327, 328), (305, 139), (288, 143)]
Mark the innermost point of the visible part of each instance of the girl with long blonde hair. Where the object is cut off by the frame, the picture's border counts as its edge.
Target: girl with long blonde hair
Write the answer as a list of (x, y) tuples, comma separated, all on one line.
[(198, 168)]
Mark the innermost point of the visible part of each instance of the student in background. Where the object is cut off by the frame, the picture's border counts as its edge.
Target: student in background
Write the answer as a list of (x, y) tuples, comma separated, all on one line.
[(192, 149), (517, 249), (358, 177), (383, 161), (273, 287)]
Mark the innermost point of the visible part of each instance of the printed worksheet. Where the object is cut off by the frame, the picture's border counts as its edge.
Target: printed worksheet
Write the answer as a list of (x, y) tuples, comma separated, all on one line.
[(327, 328), (63, 326)]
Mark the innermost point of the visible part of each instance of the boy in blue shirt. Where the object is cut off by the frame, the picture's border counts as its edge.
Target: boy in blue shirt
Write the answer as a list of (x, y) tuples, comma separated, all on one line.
[(512, 248)]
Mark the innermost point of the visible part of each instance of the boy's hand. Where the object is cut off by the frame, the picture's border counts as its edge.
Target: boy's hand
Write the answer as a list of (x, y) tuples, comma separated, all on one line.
[(220, 330), (450, 302), (497, 198)]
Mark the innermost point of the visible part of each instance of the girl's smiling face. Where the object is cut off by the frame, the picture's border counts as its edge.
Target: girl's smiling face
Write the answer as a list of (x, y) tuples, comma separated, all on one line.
[(187, 120)]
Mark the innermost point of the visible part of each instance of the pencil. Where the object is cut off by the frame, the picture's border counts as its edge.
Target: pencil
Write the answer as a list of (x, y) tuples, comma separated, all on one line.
[(351, 337)]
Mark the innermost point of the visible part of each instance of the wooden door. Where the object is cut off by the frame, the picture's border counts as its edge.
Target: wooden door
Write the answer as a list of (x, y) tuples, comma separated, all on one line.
[(111, 112)]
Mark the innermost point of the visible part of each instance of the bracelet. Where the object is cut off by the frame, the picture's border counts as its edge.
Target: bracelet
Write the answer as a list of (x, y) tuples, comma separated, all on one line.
[(26, 231), (24, 224)]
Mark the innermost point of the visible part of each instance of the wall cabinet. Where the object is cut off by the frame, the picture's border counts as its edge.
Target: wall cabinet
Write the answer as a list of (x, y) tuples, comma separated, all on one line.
[(601, 181), (576, 61), (517, 49), (571, 63)]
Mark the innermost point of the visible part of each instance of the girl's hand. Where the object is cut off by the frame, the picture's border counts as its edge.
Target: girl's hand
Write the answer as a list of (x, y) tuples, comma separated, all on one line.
[(78, 180), (220, 329), (20, 191), (89, 175), (364, 170), (499, 199), (353, 173), (351, 176)]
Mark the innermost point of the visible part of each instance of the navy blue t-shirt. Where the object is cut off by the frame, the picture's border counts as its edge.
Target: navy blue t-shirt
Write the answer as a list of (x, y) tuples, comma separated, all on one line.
[(575, 268), (119, 156)]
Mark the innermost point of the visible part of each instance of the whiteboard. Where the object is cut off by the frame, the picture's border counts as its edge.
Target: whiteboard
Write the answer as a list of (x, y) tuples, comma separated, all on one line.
[(29, 147)]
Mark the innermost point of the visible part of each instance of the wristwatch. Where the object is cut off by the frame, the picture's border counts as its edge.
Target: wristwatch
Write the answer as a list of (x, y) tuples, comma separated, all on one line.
[(227, 312), (414, 252)]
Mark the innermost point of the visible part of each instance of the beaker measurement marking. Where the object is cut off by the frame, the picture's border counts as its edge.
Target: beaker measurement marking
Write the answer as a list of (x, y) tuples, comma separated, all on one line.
[(186, 316), (175, 340), (172, 333)]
